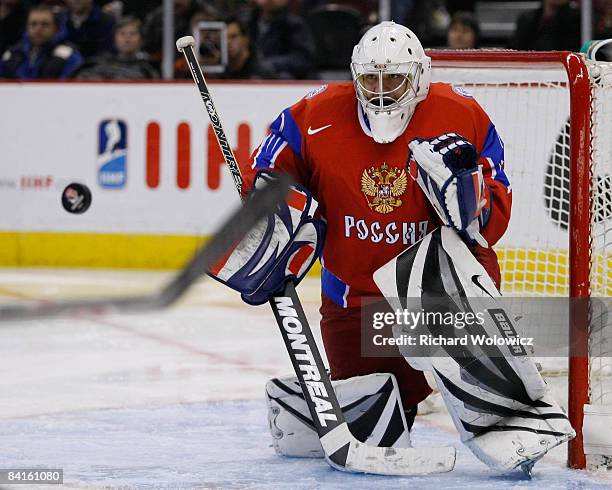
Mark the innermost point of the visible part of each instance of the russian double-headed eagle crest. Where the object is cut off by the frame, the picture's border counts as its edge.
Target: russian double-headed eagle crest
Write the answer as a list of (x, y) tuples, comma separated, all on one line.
[(382, 187)]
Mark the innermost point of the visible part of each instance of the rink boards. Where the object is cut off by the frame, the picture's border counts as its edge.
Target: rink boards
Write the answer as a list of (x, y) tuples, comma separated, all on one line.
[(148, 155)]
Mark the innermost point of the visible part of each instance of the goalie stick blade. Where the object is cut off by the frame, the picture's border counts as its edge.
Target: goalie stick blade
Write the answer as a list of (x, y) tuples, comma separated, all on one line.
[(400, 461), (233, 230), (345, 453)]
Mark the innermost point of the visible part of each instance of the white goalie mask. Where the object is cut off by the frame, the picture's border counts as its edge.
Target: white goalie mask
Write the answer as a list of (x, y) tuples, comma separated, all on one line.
[(391, 74)]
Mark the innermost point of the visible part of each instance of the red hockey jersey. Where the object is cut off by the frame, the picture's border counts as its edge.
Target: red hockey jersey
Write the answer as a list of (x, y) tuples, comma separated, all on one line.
[(372, 206)]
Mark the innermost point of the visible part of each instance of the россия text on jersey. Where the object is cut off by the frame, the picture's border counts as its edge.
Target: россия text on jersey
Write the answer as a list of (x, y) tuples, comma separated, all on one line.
[(391, 233)]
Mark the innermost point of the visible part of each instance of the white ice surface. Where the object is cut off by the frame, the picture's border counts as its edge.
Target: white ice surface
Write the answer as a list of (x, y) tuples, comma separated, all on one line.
[(173, 399)]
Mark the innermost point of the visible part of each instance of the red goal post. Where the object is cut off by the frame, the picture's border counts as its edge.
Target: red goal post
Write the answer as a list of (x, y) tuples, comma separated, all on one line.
[(552, 269)]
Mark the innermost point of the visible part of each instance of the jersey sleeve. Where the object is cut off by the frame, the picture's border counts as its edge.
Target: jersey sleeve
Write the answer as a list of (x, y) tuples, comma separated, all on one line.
[(282, 149), (495, 216)]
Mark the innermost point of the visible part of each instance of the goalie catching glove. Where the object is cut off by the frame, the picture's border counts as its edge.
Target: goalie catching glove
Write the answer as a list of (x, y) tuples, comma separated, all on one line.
[(280, 248), (446, 168)]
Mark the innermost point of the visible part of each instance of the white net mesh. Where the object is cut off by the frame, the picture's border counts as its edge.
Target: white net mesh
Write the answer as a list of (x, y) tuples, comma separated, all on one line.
[(530, 109), (600, 340)]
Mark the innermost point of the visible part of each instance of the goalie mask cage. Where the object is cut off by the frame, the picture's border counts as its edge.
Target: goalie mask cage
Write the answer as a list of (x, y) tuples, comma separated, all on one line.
[(553, 110)]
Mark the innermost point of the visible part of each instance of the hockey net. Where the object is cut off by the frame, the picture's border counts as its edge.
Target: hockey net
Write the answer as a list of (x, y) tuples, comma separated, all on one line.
[(553, 111)]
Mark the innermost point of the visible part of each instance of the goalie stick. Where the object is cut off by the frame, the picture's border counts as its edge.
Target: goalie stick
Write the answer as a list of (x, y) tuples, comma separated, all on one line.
[(231, 232), (342, 450)]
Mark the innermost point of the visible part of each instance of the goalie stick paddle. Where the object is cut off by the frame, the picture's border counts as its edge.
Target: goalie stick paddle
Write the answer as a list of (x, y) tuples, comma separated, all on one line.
[(231, 232), (342, 450)]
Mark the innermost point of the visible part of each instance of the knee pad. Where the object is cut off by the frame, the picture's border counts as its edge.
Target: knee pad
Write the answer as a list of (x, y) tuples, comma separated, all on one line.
[(371, 405)]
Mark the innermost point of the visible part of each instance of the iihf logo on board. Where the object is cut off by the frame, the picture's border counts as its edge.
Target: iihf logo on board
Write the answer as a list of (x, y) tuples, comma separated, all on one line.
[(112, 153)]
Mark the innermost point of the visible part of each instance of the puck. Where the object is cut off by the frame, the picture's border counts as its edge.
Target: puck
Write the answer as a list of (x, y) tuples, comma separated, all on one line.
[(76, 198)]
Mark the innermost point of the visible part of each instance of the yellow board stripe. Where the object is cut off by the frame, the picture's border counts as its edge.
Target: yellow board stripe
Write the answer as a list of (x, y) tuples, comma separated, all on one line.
[(100, 250), (534, 271), (546, 272)]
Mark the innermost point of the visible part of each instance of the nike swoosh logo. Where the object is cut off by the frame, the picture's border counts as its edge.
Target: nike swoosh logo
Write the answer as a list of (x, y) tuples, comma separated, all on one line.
[(477, 283), (315, 131)]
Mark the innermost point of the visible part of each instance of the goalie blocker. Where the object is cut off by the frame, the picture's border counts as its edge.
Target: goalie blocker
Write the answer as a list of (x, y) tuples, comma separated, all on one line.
[(280, 249), (500, 405)]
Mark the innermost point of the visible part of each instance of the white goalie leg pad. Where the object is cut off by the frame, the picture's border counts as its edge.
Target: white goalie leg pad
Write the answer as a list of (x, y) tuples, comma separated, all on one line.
[(371, 405), (520, 441), (499, 404), (505, 434)]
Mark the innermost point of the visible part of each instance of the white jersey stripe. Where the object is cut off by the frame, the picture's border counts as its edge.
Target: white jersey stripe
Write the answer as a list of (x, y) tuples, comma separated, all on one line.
[(276, 153)]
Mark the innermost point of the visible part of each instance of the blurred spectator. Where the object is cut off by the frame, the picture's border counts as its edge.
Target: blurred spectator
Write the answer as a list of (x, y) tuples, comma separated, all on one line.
[(39, 55), (242, 60), (282, 39), (367, 8), (232, 7), (454, 6), (130, 63), (86, 26), (554, 26), (114, 9), (463, 31), (402, 10), (140, 8), (428, 19), (603, 20), (13, 16), (336, 30), (184, 11), (50, 3), (602, 30)]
